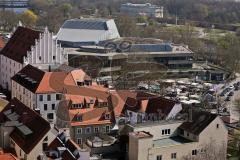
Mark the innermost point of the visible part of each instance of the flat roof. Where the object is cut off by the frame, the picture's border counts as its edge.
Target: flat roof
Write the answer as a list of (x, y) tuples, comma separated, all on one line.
[(154, 123), (172, 141)]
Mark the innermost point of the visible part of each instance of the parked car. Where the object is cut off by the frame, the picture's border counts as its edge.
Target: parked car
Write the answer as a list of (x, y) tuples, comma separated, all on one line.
[(222, 94), (231, 87), (238, 83), (227, 98), (230, 94)]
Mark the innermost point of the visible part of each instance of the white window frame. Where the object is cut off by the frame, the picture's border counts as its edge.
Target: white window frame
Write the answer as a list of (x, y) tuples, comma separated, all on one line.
[(79, 130), (96, 129), (79, 141)]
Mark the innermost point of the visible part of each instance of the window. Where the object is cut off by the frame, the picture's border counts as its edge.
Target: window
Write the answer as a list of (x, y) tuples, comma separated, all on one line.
[(181, 131), (79, 118), (40, 97), (54, 57), (87, 105), (79, 130), (79, 141), (58, 96), (91, 101), (174, 156), (40, 58), (217, 126), (88, 130), (194, 152), (49, 97), (50, 116), (96, 129), (108, 129), (53, 106), (44, 146), (159, 157), (166, 132), (107, 116), (45, 107)]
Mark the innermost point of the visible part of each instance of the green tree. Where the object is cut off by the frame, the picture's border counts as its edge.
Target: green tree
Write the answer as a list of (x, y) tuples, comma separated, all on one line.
[(66, 9), (126, 26), (29, 18)]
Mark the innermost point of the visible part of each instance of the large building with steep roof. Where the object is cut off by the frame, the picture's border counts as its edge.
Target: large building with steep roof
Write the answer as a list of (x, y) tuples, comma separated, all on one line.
[(42, 91), (198, 138), (24, 130), (77, 32), (27, 46)]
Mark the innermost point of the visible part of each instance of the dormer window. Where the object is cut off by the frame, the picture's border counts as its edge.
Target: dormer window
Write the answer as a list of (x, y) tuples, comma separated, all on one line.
[(79, 118), (80, 83), (87, 105), (107, 116), (91, 101)]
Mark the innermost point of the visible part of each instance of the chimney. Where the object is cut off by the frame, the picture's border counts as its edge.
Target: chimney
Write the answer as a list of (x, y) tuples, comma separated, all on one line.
[(190, 118)]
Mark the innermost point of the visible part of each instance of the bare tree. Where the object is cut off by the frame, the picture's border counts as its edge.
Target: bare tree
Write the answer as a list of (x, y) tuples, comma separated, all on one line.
[(210, 151)]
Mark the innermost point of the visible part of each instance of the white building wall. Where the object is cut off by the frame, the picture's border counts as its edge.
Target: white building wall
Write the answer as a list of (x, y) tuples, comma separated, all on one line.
[(46, 52), (8, 69), (215, 134), (156, 130), (40, 105), (33, 101), (24, 95)]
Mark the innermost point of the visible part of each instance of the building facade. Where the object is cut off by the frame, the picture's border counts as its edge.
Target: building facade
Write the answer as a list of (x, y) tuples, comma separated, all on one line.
[(24, 130), (28, 46), (177, 140)]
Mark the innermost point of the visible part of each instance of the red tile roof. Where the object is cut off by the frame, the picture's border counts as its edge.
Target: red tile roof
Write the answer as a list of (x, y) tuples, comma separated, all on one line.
[(30, 119), (58, 82), (1, 43), (8, 156), (20, 42), (120, 98), (150, 105)]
